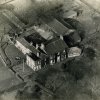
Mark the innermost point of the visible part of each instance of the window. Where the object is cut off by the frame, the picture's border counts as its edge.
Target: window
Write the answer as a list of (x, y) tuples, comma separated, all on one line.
[(58, 57)]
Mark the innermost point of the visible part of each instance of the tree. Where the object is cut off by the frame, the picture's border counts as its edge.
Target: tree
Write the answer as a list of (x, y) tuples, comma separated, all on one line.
[(4, 42)]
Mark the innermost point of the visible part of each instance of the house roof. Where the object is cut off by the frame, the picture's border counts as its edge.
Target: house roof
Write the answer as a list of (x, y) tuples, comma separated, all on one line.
[(35, 38), (58, 27), (45, 31), (55, 45), (12, 19), (27, 45)]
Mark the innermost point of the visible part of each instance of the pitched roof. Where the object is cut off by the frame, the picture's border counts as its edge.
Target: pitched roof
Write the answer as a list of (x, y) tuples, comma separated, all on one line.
[(27, 45), (58, 27), (44, 31), (54, 46), (35, 38), (12, 19)]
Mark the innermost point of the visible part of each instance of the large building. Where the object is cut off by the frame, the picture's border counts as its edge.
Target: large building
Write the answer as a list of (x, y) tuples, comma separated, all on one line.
[(49, 53), (45, 44)]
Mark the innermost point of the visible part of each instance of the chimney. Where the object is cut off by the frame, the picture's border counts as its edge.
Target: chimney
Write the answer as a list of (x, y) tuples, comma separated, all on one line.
[(61, 37), (42, 46), (37, 46)]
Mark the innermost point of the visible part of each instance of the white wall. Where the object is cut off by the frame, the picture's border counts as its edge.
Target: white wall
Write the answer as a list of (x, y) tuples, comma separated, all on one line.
[(32, 64), (22, 48)]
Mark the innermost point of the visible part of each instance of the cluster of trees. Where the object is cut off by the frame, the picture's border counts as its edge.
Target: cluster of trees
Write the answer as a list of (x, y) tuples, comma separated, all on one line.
[(64, 82)]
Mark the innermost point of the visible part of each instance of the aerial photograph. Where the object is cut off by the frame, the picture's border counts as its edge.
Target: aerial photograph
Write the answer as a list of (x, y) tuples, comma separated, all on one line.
[(49, 49)]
